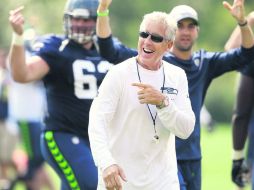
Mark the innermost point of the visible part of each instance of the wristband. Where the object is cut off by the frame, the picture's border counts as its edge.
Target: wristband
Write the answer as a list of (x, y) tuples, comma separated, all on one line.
[(103, 13), (243, 24), (238, 154), (17, 39)]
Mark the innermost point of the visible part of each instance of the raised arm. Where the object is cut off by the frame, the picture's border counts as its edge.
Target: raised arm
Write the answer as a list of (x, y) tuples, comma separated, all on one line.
[(238, 12), (234, 40), (22, 71), (103, 28), (110, 49)]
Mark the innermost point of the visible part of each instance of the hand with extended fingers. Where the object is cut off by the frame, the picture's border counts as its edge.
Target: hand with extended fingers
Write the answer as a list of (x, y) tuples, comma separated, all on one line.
[(112, 177), (16, 20), (236, 10)]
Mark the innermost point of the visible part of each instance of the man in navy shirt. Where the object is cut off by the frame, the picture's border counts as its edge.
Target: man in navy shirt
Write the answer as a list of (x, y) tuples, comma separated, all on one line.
[(201, 68), (71, 69)]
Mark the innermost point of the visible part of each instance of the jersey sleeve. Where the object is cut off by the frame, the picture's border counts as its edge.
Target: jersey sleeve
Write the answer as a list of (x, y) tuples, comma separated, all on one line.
[(248, 70), (235, 59), (47, 47), (178, 117), (114, 51)]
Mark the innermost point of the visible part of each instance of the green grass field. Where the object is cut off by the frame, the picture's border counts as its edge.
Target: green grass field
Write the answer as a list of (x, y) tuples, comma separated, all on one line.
[(216, 163)]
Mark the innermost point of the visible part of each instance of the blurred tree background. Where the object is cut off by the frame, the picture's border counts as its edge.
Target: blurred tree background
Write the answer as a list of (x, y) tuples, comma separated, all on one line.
[(216, 25)]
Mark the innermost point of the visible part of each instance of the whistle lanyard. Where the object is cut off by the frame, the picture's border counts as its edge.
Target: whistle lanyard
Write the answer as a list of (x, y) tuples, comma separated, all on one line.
[(153, 118)]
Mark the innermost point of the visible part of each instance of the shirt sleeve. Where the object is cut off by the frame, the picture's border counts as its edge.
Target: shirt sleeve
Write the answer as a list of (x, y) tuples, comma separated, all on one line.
[(235, 59), (101, 113), (248, 70), (114, 51), (178, 116)]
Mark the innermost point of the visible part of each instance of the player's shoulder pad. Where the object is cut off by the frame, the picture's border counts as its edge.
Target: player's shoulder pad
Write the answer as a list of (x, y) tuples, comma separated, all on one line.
[(48, 41)]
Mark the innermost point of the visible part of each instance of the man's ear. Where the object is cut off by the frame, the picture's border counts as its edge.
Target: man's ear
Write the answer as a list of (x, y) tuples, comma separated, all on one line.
[(170, 44)]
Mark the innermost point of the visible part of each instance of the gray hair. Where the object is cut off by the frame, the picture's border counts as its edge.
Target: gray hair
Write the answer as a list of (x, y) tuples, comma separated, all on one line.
[(163, 18)]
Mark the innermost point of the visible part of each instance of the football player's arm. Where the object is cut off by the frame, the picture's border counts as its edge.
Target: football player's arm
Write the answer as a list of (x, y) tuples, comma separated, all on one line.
[(21, 71), (26, 71), (103, 29), (237, 10), (234, 40)]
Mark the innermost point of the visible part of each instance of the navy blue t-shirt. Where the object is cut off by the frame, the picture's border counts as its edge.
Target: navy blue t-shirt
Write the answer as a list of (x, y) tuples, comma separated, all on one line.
[(71, 84), (201, 69)]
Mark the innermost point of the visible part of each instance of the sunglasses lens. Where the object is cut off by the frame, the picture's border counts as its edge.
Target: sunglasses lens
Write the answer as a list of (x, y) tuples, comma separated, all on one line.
[(156, 39), (143, 34)]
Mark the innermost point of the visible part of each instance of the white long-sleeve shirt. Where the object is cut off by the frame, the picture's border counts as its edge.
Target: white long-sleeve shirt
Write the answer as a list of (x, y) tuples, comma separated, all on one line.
[(121, 129)]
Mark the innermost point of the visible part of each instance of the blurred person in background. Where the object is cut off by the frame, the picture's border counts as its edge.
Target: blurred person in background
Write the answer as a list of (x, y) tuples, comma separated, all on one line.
[(71, 69), (206, 119), (8, 134), (27, 109), (242, 119), (201, 68)]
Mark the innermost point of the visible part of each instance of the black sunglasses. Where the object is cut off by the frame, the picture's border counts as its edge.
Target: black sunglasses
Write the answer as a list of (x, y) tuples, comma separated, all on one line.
[(154, 38)]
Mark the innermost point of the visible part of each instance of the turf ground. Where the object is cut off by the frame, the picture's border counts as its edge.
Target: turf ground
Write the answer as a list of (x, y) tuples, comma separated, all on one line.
[(216, 162)]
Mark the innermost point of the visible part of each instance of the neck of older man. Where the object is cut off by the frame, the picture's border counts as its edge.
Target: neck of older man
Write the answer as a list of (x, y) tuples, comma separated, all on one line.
[(150, 66)]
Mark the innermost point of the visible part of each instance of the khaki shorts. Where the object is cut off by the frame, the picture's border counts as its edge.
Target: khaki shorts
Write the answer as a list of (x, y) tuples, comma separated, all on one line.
[(8, 142)]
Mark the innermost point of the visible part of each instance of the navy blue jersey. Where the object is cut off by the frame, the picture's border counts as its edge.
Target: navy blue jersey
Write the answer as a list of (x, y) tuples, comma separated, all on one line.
[(201, 69), (248, 70), (71, 84)]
